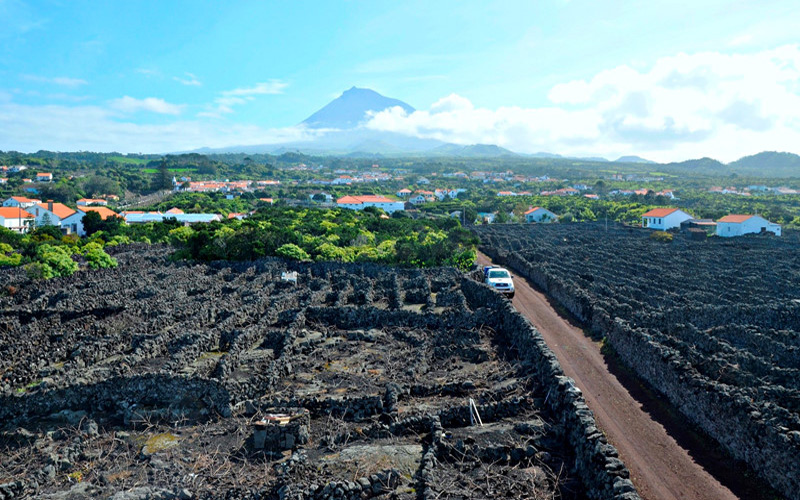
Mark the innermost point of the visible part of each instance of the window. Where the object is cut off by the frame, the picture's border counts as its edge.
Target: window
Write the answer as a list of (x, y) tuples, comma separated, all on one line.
[(499, 274)]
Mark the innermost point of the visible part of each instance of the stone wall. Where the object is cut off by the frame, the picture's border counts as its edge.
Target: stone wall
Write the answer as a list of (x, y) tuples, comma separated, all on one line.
[(763, 435), (597, 462), (150, 396)]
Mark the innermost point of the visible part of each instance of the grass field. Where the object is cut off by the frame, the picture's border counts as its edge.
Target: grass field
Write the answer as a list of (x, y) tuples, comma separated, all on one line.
[(127, 160), (175, 170)]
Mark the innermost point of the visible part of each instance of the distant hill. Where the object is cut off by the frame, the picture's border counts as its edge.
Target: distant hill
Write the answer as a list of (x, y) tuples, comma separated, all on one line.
[(633, 159), (708, 166), (350, 109), (768, 164), (475, 150)]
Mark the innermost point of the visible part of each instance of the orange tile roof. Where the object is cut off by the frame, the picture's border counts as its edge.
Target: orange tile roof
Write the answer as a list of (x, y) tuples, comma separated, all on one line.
[(532, 210), (735, 218), (14, 213), (104, 212), (659, 212), (59, 209), (374, 199), (174, 210), (22, 199), (354, 200)]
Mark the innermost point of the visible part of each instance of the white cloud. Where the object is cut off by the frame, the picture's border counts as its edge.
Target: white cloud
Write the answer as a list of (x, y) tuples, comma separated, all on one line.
[(94, 128), (191, 80), (684, 106), (59, 80), (229, 98), (741, 40), (270, 87), (129, 104)]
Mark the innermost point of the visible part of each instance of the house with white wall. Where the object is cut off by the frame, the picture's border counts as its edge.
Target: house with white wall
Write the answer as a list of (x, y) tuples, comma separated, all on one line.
[(74, 223), (361, 202), (85, 202), (20, 201), (16, 219), (664, 218), (541, 215), (738, 225), (50, 214)]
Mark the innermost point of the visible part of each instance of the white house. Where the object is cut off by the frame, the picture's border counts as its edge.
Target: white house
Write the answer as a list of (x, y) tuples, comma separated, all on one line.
[(85, 202), (327, 198), (20, 201), (664, 218), (15, 219), (421, 198), (362, 202), (453, 193), (50, 214), (539, 214), (44, 177), (74, 223), (737, 225), (403, 193)]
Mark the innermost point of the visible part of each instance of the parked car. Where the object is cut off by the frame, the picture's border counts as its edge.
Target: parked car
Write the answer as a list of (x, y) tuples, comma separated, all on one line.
[(499, 279)]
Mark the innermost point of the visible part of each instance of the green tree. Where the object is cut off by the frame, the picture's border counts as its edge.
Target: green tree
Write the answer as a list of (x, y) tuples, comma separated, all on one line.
[(162, 179), (92, 222), (292, 251)]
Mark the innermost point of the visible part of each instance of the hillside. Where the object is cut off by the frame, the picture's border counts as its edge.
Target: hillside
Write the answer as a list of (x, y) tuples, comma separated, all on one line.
[(768, 163)]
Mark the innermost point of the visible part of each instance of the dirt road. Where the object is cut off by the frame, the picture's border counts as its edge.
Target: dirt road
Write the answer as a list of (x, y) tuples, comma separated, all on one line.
[(660, 468)]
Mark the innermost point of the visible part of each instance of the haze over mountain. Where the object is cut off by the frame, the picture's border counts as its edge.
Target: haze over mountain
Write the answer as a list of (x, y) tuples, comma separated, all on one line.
[(339, 128), (351, 108)]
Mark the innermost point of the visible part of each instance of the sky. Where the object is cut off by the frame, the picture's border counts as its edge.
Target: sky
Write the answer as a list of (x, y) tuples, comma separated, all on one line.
[(666, 80)]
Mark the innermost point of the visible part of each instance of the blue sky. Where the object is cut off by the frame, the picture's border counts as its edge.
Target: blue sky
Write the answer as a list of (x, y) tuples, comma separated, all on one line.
[(667, 79)]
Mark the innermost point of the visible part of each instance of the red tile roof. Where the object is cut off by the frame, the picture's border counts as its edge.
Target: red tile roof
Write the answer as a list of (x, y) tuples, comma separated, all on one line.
[(532, 210), (659, 212), (735, 218)]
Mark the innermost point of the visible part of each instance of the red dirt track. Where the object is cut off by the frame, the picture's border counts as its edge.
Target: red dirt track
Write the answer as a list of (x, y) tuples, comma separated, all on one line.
[(661, 469)]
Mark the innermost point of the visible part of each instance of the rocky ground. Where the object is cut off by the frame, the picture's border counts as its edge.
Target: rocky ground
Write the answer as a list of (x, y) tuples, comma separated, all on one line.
[(176, 380)]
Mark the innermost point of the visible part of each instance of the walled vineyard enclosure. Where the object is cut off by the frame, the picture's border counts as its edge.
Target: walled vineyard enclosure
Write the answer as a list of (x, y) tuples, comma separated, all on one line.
[(714, 325), (151, 381)]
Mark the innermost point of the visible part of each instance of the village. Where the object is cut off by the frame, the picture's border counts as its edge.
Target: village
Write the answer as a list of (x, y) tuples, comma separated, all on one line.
[(23, 213)]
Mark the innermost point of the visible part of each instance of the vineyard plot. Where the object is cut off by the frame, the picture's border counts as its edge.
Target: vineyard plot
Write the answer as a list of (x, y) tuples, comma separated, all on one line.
[(714, 324), (159, 379)]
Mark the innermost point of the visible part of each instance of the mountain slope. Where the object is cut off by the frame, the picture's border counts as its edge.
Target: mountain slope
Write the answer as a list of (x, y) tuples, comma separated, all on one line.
[(632, 159), (768, 164), (350, 109)]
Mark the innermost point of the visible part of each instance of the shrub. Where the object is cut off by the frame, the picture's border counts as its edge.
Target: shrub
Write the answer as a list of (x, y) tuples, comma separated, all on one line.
[(662, 236), (119, 239), (292, 251), (97, 258), (52, 261), (8, 257)]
